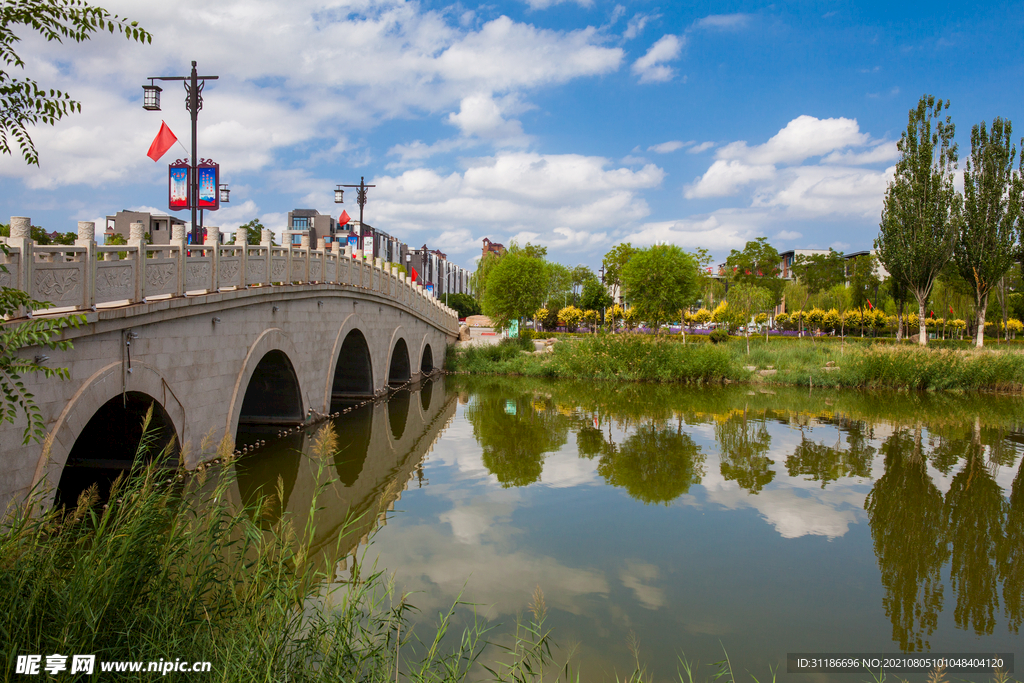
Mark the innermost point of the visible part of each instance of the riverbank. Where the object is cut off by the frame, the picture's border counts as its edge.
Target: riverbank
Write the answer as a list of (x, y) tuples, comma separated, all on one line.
[(804, 362)]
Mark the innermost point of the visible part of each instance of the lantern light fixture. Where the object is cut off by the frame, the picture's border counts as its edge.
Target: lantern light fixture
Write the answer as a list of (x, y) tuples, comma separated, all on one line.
[(151, 96), (225, 193), (339, 195)]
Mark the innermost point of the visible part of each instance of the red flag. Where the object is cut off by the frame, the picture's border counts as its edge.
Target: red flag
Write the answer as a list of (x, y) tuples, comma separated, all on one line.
[(951, 310), (870, 307), (344, 218), (414, 274), (161, 143)]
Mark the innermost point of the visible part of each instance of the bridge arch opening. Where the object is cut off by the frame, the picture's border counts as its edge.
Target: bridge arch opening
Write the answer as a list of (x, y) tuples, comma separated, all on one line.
[(273, 395), (427, 362), (109, 444), (353, 375), (399, 372)]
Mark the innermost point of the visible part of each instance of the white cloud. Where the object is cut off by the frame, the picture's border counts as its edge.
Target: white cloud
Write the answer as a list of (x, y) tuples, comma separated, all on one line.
[(670, 146), (788, 235), (727, 177), (544, 4), (803, 137), (575, 198), (651, 67), (399, 61), (697, 149), (723, 21), (635, 26), (480, 115), (880, 153)]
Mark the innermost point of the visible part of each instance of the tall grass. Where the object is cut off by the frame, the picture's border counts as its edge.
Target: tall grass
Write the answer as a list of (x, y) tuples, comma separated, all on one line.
[(794, 362), (171, 567)]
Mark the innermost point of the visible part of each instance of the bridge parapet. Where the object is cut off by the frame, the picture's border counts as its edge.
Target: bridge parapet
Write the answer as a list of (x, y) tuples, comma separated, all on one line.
[(87, 276)]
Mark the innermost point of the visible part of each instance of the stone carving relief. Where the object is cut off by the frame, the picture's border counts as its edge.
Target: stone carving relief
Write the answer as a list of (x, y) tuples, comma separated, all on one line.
[(115, 282), (197, 275), (159, 276), (229, 271), (277, 269), (58, 284)]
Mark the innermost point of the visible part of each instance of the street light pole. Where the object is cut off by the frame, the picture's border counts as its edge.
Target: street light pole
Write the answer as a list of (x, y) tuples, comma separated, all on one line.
[(194, 84)]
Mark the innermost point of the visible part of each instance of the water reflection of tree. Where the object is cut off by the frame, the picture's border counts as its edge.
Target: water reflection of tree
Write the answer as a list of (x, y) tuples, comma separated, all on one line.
[(743, 444), (830, 463), (514, 434), (973, 517), (905, 513), (654, 464), (1011, 554)]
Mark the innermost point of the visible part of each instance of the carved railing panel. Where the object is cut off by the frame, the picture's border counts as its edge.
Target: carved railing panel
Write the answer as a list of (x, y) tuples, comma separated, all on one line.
[(199, 269), (256, 261), (163, 271)]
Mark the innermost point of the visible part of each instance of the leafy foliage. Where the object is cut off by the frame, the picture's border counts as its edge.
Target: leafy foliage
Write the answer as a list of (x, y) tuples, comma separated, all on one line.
[(659, 281), (23, 102), (515, 288)]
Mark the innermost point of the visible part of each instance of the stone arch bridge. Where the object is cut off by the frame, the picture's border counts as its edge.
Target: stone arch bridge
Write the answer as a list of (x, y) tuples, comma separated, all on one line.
[(211, 336)]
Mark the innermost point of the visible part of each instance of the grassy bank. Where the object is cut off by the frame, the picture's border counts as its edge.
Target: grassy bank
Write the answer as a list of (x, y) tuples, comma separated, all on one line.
[(792, 362)]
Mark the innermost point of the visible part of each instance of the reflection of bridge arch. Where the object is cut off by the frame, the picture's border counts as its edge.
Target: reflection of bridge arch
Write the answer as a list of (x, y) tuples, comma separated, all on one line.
[(109, 383)]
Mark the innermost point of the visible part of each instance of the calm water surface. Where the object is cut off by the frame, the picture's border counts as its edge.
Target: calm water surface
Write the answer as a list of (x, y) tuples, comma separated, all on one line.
[(688, 519)]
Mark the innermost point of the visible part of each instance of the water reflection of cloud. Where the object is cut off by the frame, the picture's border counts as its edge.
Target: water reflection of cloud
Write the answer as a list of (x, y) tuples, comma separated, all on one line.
[(565, 469), (437, 567), (638, 576), (469, 522)]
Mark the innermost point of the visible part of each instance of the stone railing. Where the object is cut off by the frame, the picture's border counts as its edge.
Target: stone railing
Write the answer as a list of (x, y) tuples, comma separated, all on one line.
[(87, 276)]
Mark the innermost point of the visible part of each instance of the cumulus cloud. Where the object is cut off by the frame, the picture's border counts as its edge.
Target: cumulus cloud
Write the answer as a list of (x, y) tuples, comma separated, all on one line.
[(480, 115), (635, 26), (778, 176), (575, 198), (651, 68), (399, 61), (803, 137)]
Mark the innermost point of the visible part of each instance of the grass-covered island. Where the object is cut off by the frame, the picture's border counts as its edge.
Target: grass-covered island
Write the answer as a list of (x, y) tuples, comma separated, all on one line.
[(824, 362)]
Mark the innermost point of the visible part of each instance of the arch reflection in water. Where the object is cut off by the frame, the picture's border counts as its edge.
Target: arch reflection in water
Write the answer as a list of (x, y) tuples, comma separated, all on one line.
[(362, 481)]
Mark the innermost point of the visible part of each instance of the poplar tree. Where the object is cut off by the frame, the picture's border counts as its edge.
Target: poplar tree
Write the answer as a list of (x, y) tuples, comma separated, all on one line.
[(918, 227), (987, 227)]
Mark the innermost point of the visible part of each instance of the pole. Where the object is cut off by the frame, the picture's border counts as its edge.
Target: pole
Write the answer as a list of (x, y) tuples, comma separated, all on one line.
[(193, 105)]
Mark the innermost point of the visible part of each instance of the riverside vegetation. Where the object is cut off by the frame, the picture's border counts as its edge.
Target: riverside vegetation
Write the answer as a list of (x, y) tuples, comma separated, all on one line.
[(797, 362)]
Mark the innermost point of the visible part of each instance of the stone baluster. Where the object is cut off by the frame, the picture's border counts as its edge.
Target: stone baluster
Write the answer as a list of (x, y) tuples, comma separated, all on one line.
[(267, 242), (337, 253), (178, 240), (21, 239), (242, 249), (212, 244), (137, 240), (87, 239)]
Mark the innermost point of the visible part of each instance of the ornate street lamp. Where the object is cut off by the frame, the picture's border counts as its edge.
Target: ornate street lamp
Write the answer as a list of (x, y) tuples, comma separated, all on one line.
[(194, 85), (225, 193), (360, 196)]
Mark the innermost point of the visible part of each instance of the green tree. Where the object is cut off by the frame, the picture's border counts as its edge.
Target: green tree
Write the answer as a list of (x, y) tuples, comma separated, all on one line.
[(986, 237), (23, 103), (581, 275), (659, 281), (864, 280), (558, 291), (613, 263), (464, 305), (758, 264), (515, 289), (478, 280), (595, 297), (253, 231), (918, 227), (819, 272), (747, 300)]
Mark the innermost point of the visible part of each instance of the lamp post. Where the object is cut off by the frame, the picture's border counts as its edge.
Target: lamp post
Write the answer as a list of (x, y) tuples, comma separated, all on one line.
[(194, 85), (339, 196)]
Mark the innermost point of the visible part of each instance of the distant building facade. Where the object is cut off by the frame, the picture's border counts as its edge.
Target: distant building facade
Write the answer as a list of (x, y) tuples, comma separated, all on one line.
[(492, 248), (158, 226)]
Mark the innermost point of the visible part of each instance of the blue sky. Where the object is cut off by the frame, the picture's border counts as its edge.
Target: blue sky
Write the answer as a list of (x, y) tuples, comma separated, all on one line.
[(573, 124)]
